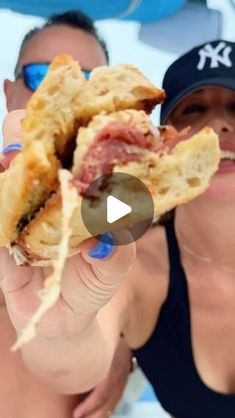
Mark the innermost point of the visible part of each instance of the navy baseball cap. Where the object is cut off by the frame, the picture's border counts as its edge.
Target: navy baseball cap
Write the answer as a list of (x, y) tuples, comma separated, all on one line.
[(210, 64)]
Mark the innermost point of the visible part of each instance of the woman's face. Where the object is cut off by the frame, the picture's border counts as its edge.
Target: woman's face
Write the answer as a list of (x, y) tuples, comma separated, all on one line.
[(213, 107)]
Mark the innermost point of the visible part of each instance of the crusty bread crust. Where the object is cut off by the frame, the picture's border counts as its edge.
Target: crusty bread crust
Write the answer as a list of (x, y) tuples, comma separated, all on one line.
[(63, 102), (115, 88), (172, 179), (38, 243), (51, 114), (23, 187), (47, 127), (183, 174), (50, 126)]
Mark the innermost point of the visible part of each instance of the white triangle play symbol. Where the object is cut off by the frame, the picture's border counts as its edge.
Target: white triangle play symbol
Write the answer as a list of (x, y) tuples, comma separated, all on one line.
[(116, 209)]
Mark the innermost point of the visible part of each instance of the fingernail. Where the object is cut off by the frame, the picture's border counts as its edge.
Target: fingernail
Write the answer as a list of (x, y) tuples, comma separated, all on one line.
[(104, 248), (12, 147)]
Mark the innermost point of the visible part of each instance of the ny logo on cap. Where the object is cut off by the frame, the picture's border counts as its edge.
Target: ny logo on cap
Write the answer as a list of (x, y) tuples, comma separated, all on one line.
[(217, 55)]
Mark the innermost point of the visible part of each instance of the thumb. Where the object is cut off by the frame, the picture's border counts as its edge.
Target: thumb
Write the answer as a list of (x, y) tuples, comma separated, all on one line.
[(11, 131), (99, 279), (109, 262)]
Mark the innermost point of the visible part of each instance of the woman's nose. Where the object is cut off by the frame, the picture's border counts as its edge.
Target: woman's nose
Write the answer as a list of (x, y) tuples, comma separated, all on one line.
[(221, 125)]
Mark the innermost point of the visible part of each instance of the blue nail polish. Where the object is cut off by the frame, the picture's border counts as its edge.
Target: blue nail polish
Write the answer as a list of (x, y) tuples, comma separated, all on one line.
[(104, 248), (12, 147)]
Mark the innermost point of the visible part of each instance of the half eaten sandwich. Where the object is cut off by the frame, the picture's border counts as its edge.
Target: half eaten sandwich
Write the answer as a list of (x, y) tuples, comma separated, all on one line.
[(90, 128)]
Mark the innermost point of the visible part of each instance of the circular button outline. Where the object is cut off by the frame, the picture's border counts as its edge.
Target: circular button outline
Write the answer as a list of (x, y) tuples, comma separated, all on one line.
[(129, 190)]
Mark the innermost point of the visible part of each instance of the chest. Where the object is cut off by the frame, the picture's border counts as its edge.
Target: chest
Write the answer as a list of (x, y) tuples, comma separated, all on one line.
[(210, 326), (212, 331)]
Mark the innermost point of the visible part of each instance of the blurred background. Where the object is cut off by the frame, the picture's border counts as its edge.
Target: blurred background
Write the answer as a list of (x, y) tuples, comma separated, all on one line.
[(146, 33)]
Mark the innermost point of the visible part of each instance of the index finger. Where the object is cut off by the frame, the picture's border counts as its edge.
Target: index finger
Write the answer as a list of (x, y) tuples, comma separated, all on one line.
[(11, 130)]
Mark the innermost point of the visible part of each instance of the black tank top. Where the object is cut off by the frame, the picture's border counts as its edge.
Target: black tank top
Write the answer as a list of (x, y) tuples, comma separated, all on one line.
[(167, 357)]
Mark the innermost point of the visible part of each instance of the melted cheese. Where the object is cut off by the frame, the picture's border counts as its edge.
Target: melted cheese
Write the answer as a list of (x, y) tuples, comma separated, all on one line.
[(52, 285)]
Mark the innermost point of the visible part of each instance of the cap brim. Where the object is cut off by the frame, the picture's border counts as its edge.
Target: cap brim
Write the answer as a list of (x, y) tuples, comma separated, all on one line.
[(221, 82)]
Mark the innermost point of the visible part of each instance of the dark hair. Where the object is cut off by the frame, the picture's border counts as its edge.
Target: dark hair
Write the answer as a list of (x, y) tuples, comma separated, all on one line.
[(75, 19)]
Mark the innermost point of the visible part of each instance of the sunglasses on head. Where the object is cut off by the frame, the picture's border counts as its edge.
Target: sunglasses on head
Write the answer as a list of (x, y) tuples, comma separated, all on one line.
[(35, 72)]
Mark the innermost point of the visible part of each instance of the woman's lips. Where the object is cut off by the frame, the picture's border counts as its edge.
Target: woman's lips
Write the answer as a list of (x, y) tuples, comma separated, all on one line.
[(226, 166), (227, 162)]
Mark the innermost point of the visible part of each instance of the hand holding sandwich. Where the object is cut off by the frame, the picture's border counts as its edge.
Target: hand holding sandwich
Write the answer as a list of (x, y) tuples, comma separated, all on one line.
[(89, 282), (73, 132)]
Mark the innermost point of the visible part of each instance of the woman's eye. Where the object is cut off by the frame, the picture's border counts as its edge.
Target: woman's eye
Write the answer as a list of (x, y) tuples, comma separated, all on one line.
[(193, 108)]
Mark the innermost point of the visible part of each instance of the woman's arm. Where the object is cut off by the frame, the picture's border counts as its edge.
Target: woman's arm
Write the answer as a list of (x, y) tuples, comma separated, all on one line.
[(76, 339)]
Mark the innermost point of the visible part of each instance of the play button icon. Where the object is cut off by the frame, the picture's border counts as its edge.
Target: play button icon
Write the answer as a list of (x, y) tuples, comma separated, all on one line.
[(115, 203), (116, 209)]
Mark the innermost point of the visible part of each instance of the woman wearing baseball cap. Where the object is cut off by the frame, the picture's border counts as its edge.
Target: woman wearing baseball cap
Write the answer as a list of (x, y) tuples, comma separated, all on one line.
[(192, 343), (176, 305)]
